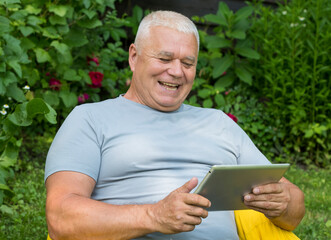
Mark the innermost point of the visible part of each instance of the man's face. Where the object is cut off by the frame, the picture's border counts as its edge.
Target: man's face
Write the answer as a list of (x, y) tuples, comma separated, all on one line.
[(164, 71)]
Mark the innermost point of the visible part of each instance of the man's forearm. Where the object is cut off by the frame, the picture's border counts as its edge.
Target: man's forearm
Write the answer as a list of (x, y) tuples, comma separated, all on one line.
[(78, 217)]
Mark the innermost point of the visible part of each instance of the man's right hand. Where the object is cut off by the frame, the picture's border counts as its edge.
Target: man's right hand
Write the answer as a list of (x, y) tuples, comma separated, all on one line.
[(180, 211)]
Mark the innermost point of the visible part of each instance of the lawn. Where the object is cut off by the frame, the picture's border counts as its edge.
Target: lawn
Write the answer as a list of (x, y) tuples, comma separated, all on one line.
[(26, 217)]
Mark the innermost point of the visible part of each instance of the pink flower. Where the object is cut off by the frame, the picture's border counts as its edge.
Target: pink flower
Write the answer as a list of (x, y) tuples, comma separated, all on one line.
[(82, 98), (55, 84), (96, 78), (233, 117), (227, 92), (92, 59)]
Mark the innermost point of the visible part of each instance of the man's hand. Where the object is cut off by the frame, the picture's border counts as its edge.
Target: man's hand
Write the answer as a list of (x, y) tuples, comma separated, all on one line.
[(180, 211), (270, 199), (282, 203)]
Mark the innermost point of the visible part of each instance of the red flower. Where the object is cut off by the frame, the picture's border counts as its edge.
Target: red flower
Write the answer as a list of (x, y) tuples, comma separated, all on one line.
[(92, 59), (55, 84), (82, 98), (233, 117), (96, 78)]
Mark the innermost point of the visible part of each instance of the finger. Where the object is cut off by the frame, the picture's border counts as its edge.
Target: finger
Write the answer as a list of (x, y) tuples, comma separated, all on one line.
[(197, 200), (188, 186), (268, 188), (192, 220), (264, 197), (197, 212)]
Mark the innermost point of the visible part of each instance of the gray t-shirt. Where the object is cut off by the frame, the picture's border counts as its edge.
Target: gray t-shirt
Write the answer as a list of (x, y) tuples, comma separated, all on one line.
[(138, 155)]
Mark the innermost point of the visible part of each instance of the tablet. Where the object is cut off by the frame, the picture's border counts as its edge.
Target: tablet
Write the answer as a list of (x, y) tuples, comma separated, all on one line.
[(225, 185)]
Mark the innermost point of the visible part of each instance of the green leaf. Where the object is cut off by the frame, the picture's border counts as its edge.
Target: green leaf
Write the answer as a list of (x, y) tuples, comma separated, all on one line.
[(71, 75), (16, 93), (60, 47), (244, 75), (13, 44), (32, 10), (60, 10), (35, 21), (76, 38), (8, 157), (6, 210), (217, 42), (225, 81), (208, 103), (223, 10), (204, 93), (237, 34), (26, 31), (219, 100), (243, 12), (87, 3), (69, 98), (89, 13), (50, 32), (20, 116), (36, 106), (27, 44), (51, 116), (9, 78), (248, 52), (42, 55), (2, 89), (5, 25), (2, 67), (31, 75), (216, 19), (52, 98), (90, 24), (56, 20), (220, 65), (16, 66)]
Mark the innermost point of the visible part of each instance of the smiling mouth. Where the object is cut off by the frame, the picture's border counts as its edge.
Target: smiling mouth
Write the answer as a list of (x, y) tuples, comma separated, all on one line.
[(169, 86)]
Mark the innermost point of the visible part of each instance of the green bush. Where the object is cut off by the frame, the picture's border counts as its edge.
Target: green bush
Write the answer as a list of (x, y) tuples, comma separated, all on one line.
[(293, 76), (53, 56)]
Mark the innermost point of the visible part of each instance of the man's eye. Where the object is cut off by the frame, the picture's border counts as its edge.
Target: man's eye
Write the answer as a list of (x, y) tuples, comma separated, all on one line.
[(187, 64), (165, 59)]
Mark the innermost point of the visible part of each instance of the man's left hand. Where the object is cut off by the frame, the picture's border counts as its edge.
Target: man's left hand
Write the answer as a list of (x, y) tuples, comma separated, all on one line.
[(271, 199)]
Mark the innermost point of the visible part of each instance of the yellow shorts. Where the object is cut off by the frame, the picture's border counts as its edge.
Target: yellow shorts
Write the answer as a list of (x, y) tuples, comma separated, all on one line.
[(253, 225)]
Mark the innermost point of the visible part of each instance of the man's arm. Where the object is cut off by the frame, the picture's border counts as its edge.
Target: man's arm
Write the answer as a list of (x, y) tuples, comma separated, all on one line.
[(282, 203), (72, 214)]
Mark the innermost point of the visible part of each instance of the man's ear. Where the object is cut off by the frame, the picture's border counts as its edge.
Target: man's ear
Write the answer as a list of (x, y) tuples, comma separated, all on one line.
[(133, 55)]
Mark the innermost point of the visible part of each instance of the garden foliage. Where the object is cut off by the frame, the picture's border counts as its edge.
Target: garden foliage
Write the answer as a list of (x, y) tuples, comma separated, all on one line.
[(53, 56), (293, 76)]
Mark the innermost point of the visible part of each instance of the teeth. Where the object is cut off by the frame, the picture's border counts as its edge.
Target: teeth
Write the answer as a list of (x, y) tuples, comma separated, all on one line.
[(170, 84)]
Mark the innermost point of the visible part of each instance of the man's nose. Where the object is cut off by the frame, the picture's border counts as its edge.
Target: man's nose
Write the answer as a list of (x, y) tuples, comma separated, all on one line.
[(176, 69)]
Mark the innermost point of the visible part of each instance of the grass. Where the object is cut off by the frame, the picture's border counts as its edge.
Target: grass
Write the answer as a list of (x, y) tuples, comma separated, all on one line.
[(25, 219)]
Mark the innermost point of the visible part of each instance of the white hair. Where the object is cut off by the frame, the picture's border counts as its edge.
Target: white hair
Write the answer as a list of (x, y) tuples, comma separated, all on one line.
[(168, 19)]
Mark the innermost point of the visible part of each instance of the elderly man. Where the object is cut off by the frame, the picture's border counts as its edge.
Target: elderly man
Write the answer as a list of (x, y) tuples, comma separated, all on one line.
[(124, 168)]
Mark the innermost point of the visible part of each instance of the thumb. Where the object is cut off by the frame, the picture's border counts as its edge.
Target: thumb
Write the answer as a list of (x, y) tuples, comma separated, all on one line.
[(188, 186)]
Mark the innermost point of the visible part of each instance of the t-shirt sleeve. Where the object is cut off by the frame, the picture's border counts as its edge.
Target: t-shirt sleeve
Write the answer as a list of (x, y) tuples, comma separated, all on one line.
[(249, 153), (246, 151), (75, 146)]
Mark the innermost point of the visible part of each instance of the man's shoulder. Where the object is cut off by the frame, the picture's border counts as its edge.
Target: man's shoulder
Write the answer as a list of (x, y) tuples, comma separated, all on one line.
[(201, 110)]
